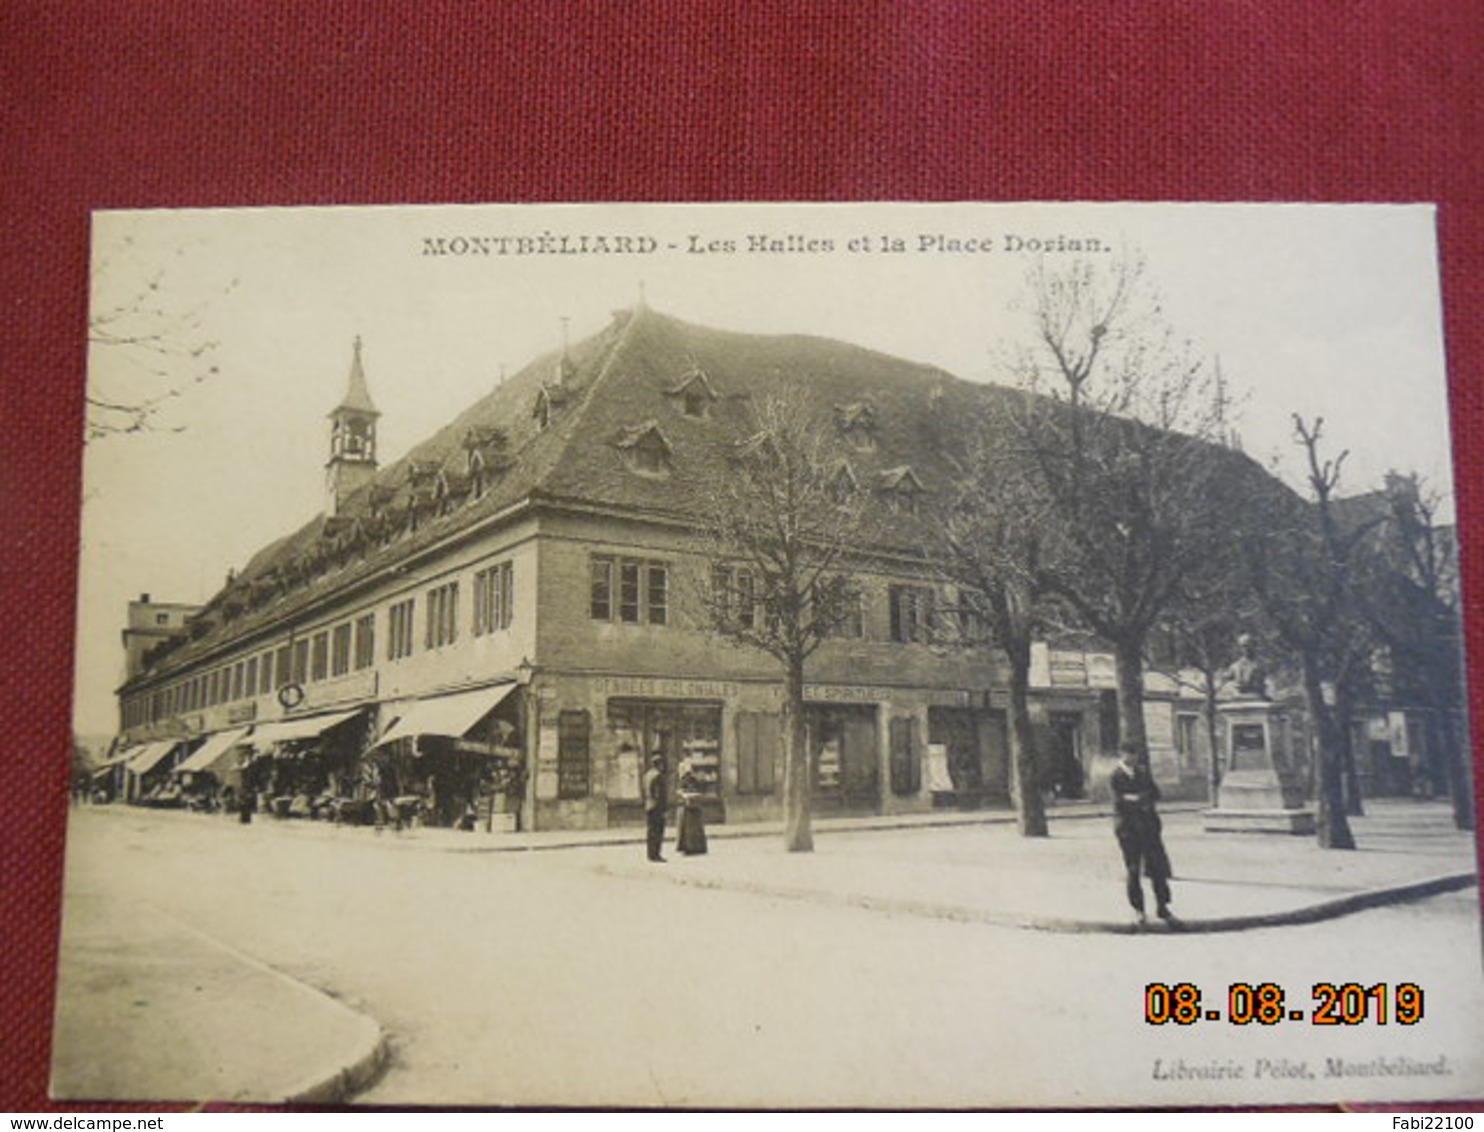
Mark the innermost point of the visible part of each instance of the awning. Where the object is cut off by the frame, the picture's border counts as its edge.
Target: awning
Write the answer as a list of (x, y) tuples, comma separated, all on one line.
[(107, 765), (117, 757), (146, 760), (306, 728), (450, 715), (211, 752)]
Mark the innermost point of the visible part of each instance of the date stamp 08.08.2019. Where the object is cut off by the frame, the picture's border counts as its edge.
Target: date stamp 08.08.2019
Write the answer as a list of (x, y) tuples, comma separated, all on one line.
[(1267, 1004)]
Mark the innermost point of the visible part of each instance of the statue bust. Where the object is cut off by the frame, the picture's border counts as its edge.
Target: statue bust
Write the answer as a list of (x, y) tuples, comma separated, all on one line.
[(1247, 673)]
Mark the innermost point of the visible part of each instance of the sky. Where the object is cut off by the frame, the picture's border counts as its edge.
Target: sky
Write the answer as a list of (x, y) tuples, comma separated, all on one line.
[(244, 320)]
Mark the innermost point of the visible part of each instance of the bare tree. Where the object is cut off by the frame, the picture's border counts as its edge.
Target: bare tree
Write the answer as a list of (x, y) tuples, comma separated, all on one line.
[(992, 527), (1304, 573), (147, 347), (1201, 631), (779, 533), (1411, 604), (1123, 421)]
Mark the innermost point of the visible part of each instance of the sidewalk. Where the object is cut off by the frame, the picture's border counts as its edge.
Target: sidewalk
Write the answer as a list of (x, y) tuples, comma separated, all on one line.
[(150, 1010), (970, 868), (1072, 881)]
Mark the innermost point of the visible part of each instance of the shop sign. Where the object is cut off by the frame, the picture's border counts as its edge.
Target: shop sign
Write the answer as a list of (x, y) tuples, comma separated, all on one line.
[(845, 694), (242, 713), (673, 688), (866, 694), (355, 687), (548, 740)]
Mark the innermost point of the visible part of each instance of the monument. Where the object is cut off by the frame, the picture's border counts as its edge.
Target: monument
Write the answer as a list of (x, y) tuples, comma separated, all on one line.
[(1263, 788)]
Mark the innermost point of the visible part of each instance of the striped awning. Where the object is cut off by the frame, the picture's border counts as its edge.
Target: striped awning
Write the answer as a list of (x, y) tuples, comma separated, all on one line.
[(118, 757), (308, 727), (144, 761), (451, 715), (216, 748)]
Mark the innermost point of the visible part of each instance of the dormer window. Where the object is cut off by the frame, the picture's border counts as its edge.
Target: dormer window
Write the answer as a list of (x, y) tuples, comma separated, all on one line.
[(645, 449), (451, 490), (902, 489), (650, 457), (378, 497), (548, 400), (476, 474), (693, 394), (843, 486), (486, 451), (857, 424), (422, 478), (422, 491)]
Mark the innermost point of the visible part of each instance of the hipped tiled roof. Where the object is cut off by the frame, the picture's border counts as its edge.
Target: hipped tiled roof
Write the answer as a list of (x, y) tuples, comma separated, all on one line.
[(619, 383)]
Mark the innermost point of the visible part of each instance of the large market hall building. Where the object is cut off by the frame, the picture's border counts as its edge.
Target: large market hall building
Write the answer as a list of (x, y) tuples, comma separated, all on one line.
[(504, 621)]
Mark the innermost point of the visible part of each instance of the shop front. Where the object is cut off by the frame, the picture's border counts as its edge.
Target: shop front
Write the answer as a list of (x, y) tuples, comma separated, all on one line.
[(208, 771), (677, 729), (872, 749), (302, 767), (976, 754), (451, 760), (149, 774), (109, 779), (844, 750), (593, 736)]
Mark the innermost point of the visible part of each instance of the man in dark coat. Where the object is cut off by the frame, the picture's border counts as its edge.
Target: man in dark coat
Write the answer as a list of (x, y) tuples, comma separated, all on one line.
[(1136, 824), (654, 805)]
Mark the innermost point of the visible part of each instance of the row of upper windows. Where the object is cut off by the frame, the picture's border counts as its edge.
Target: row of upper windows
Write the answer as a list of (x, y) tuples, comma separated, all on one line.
[(337, 651), (631, 591), (637, 592)]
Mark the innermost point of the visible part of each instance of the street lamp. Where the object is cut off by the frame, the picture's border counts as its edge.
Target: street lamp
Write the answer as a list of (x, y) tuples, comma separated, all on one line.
[(525, 674)]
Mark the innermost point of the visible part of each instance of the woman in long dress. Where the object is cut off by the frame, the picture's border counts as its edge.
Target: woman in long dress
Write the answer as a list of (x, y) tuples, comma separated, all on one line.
[(692, 837)]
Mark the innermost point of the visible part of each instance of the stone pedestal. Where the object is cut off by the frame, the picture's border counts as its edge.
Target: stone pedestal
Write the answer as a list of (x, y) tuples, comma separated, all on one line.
[(1263, 789)]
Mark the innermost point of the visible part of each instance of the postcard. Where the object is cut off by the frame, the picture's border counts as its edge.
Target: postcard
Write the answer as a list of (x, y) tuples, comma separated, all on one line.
[(677, 656)]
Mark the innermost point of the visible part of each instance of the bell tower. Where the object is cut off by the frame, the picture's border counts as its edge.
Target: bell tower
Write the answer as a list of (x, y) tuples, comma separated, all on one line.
[(352, 461)]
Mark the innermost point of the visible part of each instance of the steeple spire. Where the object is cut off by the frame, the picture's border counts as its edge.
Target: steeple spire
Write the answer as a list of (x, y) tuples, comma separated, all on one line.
[(357, 396), (352, 462)]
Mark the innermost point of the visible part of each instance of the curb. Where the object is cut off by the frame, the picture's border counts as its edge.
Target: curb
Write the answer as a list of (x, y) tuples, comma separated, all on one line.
[(1340, 906), (1307, 914), (723, 832), (336, 1085), (342, 1084)]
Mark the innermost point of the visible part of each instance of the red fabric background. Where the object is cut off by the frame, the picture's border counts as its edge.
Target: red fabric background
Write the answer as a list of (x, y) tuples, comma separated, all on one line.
[(211, 102)]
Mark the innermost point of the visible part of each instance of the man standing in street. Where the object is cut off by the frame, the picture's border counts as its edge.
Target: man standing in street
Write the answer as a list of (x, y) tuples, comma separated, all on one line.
[(1136, 824), (654, 805)]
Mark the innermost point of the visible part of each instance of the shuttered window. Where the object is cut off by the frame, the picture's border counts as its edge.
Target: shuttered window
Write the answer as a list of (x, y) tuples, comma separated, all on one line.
[(758, 735), (574, 762), (906, 759)]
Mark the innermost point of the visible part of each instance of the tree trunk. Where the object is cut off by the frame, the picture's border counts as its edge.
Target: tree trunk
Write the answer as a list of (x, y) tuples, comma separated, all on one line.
[(798, 835), (1345, 745), (1025, 779), (1460, 782), (1333, 828), (1213, 731), (1128, 657)]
